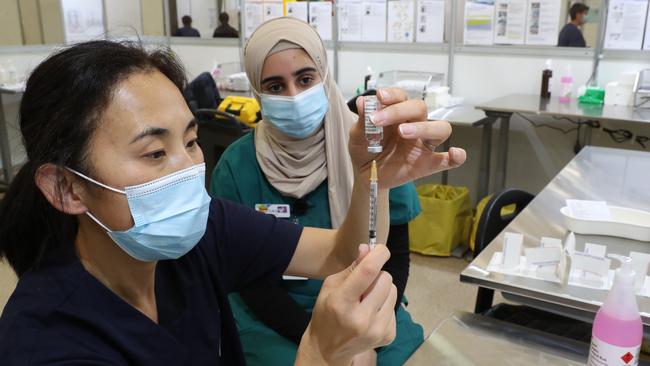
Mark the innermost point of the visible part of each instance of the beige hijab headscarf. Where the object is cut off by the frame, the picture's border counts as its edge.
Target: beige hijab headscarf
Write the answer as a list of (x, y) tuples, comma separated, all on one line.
[(295, 167)]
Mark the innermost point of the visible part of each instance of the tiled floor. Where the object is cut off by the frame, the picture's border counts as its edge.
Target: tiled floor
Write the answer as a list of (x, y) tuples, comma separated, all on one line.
[(434, 290)]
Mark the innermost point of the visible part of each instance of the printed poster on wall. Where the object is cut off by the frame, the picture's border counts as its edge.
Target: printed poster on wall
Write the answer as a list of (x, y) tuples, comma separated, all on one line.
[(430, 23), (373, 21), (543, 26), (83, 20), (401, 24), (273, 9), (320, 17), (479, 22), (254, 17), (350, 14), (298, 9), (626, 20), (510, 22)]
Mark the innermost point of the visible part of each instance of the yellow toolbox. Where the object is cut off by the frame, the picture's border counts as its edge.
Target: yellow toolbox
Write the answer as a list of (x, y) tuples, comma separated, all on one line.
[(246, 109)]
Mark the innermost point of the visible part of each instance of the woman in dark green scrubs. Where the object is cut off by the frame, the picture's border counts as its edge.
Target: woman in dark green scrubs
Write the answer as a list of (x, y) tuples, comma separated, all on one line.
[(295, 166)]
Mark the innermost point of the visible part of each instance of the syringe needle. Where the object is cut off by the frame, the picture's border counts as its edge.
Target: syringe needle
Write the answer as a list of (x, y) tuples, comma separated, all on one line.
[(372, 226)]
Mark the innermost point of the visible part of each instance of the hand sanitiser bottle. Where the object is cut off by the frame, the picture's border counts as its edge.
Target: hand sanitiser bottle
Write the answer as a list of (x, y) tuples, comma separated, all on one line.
[(618, 331)]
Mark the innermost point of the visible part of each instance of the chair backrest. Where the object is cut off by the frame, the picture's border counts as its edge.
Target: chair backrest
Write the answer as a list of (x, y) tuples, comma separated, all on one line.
[(352, 103), (217, 130), (492, 222), (202, 92)]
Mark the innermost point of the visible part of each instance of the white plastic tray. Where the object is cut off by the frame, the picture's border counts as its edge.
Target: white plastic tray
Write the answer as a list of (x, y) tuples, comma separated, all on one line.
[(625, 223)]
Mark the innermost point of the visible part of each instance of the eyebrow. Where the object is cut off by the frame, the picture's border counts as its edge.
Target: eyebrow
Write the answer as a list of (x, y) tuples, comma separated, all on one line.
[(279, 78), (157, 131)]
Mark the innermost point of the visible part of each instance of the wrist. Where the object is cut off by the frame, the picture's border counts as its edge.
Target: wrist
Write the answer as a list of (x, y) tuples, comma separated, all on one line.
[(309, 353)]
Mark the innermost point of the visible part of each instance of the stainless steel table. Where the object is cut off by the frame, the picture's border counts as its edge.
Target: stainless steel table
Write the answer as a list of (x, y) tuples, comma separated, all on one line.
[(502, 109), (462, 115), (466, 339), (5, 148), (620, 177)]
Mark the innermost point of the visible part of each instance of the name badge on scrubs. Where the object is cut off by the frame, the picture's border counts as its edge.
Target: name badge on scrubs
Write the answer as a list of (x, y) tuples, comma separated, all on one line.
[(280, 211)]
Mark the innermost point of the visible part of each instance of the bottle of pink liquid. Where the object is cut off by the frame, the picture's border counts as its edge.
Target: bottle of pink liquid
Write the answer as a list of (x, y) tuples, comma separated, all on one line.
[(566, 86), (618, 331)]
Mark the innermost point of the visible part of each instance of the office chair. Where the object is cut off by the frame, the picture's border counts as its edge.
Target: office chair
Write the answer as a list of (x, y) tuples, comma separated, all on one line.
[(202, 92), (352, 103), (217, 130), (490, 224)]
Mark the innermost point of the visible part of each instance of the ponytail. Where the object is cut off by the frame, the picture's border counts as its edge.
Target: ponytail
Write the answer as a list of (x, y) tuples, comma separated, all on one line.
[(28, 223)]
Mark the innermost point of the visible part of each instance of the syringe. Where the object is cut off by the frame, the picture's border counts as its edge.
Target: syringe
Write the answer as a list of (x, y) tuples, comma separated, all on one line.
[(372, 226)]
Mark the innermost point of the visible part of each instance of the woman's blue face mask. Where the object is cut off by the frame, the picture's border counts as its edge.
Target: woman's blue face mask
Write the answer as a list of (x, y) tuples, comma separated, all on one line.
[(170, 215), (298, 116)]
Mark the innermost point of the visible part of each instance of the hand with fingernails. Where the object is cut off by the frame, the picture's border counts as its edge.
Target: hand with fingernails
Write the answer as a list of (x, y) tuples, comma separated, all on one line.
[(354, 313), (409, 141)]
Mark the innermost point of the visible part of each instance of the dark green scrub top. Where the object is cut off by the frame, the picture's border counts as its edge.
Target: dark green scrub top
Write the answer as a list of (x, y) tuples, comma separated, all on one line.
[(239, 178)]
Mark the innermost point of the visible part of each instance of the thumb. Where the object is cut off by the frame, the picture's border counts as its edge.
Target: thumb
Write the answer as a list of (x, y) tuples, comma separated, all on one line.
[(363, 250)]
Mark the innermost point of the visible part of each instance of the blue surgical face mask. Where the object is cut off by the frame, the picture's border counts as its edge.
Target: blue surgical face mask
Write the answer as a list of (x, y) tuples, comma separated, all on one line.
[(298, 116), (170, 215)]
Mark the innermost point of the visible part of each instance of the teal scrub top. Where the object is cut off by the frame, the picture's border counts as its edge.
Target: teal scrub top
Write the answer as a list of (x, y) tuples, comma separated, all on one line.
[(239, 178)]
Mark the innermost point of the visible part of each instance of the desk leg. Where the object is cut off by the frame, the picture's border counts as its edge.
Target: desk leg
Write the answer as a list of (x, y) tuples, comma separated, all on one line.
[(5, 149), (484, 164), (502, 153), (445, 175)]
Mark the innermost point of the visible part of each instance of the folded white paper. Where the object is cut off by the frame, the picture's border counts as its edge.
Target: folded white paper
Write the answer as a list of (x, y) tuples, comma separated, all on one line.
[(596, 250), (590, 264), (543, 256), (512, 244), (523, 269), (547, 242), (570, 243)]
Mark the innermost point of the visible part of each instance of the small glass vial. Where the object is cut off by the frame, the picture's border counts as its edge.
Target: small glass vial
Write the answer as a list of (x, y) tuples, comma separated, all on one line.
[(374, 134)]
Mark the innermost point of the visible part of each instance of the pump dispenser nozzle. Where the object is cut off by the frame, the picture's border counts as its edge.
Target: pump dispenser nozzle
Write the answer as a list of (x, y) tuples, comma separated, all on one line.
[(625, 274)]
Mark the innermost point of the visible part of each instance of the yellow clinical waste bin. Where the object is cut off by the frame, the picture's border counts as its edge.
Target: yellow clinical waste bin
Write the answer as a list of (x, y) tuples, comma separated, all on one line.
[(445, 221)]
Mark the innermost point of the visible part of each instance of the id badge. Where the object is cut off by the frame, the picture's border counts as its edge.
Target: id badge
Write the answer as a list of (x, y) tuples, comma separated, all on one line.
[(281, 211)]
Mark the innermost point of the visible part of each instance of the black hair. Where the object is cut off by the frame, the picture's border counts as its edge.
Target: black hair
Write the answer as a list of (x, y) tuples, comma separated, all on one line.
[(187, 20), (577, 8), (63, 103), (224, 18)]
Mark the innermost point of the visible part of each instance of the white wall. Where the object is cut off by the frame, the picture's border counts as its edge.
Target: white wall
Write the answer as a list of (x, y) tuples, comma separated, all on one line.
[(200, 58), (353, 65), (123, 17), (611, 69), (481, 77), (536, 154)]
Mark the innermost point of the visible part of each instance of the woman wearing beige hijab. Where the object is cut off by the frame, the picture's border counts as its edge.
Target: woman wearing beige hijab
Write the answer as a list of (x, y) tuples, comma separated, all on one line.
[(296, 165)]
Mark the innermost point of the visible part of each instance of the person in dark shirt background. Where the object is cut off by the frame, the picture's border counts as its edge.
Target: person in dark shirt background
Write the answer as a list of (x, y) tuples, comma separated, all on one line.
[(187, 30), (571, 36), (224, 30)]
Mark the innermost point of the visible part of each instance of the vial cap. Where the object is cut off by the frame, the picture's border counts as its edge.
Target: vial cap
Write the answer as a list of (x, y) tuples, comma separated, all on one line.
[(374, 149)]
